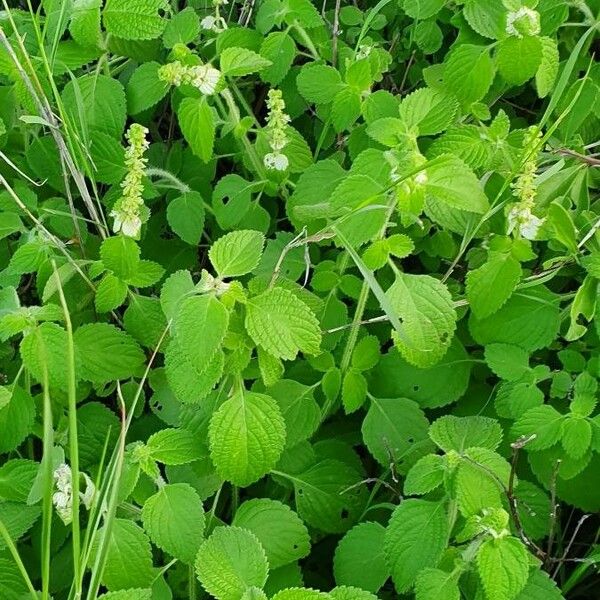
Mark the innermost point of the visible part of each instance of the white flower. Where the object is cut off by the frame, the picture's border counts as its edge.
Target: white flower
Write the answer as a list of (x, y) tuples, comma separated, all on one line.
[(421, 177), (276, 160), (524, 21), (208, 22), (206, 78), (129, 225), (521, 218), (63, 497)]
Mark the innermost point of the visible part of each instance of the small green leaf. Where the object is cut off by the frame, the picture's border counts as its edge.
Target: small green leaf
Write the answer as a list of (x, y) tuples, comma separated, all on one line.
[(197, 125), (230, 561), (503, 566), (237, 253), (241, 61)]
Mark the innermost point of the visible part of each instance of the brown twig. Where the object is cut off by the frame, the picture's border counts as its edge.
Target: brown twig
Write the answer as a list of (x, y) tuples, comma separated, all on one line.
[(335, 32), (563, 558), (589, 160), (554, 508)]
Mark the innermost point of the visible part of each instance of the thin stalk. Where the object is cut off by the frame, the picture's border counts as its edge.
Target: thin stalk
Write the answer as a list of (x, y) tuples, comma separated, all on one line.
[(48, 446), (73, 439), (17, 558)]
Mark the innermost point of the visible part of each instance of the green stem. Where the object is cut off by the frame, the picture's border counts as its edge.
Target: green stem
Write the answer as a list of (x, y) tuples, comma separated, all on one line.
[(17, 558), (306, 40), (353, 334), (73, 439)]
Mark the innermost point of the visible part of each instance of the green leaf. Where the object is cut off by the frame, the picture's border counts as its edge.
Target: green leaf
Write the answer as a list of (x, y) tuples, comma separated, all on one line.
[(18, 518), (10, 223), (185, 215), (518, 58), (434, 584), (237, 253), (507, 361), (503, 566), (241, 61), (359, 559), (278, 528), (16, 478), (279, 48), (197, 125), (545, 422), (247, 437), (175, 447), (129, 557), (530, 319), (301, 413), (469, 72), (96, 103), (354, 390), (425, 475), (121, 255), (106, 353), (12, 585), (459, 433), (540, 587), (318, 83), (199, 327), (548, 69), (282, 324), (486, 18), (230, 561), (110, 293), (416, 537), (451, 181), (501, 274), (144, 88), (135, 19), (422, 9), (131, 594), (174, 520), (183, 28), (328, 496), (44, 352), (424, 306), (576, 436), (395, 430), (432, 111), (345, 109)]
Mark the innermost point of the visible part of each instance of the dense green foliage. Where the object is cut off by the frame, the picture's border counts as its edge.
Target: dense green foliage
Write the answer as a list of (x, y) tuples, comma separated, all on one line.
[(298, 300)]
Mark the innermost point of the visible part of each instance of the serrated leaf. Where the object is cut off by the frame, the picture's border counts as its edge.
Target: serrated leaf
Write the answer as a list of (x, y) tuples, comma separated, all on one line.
[(106, 353), (503, 567), (174, 520), (299, 408), (237, 253), (135, 19), (451, 181), (242, 61), (422, 9), (432, 111), (529, 319), (328, 497), (144, 88), (129, 557), (185, 215), (110, 293), (282, 324), (395, 430), (518, 58), (415, 538), (548, 69), (197, 125), (459, 433), (121, 255), (175, 446), (576, 436), (425, 475), (247, 437), (279, 48), (359, 559), (545, 422), (44, 353), (230, 561), (424, 306), (501, 274), (281, 532), (435, 584), (469, 72), (318, 83), (507, 361)]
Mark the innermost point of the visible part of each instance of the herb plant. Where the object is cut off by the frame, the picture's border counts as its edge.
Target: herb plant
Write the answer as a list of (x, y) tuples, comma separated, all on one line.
[(298, 299)]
